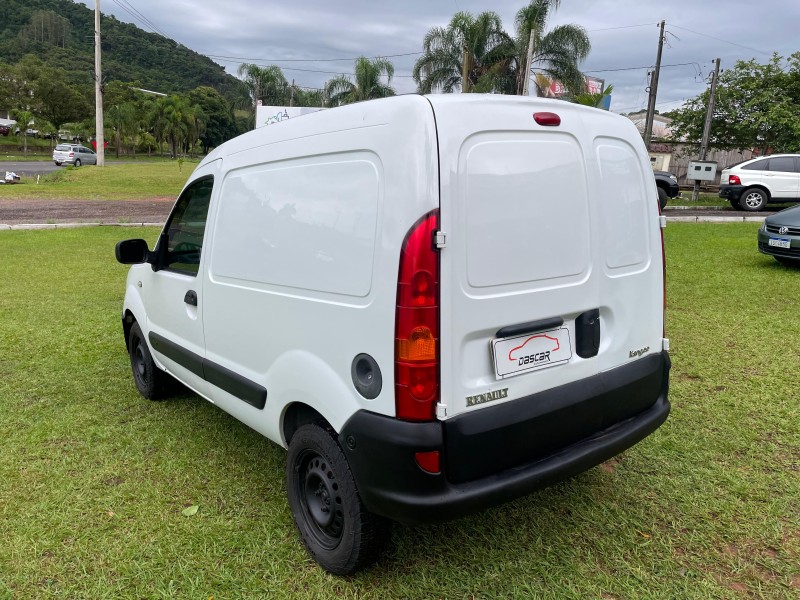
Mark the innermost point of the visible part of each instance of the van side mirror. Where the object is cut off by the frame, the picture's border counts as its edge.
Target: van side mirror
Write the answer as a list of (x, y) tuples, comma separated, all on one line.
[(132, 252)]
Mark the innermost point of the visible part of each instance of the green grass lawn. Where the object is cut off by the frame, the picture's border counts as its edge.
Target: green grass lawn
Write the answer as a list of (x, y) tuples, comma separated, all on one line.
[(93, 478), (112, 182)]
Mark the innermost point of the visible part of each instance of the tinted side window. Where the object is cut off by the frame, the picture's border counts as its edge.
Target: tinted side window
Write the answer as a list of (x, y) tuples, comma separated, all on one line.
[(186, 227), (784, 164), (759, 165)]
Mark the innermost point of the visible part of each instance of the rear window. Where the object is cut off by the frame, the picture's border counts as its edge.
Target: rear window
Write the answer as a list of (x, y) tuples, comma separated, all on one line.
[(759, 165), (62, 148)]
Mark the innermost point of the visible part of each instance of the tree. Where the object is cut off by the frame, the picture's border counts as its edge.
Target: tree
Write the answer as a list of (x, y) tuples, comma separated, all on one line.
[(595, 100), (23, 118), (757, 106), (267, 84), (367, 86), (220, 124), (56, 100), (472, 53), (556, 53)]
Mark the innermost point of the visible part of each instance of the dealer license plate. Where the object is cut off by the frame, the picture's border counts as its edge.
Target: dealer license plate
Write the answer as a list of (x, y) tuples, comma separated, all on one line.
[(531, 352), (780, 242)]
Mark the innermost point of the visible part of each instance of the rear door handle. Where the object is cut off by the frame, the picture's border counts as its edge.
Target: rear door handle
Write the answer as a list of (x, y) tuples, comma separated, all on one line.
[(190, 298)]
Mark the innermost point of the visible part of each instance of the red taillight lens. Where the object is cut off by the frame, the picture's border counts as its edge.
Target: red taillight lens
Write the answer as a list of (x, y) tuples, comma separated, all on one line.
[(547, 119), (734, 180), (416, 370), (72, 154)]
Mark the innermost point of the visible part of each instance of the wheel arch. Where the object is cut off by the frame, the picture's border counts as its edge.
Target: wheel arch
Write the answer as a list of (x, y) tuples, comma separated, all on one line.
[(297, 414)]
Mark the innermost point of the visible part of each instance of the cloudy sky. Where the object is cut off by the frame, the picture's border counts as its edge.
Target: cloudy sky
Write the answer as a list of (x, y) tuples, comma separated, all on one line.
[(306, 38)]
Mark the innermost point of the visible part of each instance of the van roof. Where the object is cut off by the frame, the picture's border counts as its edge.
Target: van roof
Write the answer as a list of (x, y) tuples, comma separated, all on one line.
[(375, 112)]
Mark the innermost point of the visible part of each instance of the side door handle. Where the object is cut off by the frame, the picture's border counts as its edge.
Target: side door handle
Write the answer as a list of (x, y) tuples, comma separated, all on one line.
[(190, 298)]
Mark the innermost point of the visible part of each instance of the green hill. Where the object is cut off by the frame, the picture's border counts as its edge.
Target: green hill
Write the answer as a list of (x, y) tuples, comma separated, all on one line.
[(61, 33)]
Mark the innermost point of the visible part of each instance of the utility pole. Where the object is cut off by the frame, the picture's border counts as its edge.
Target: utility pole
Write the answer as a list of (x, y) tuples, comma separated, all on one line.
[(98, 90), (528, 61), (465, 68), (712, 98), (651, 100)]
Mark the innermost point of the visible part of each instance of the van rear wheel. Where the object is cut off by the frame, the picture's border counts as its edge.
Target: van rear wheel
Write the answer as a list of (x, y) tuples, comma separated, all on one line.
[(336, 529), (152, 382)]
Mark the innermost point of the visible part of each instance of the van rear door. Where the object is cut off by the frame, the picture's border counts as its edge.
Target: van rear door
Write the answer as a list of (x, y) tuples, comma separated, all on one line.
[(551, 270)]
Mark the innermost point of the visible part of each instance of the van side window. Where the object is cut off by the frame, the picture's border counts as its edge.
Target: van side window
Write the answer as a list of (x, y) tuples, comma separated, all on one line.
[(186, 227)]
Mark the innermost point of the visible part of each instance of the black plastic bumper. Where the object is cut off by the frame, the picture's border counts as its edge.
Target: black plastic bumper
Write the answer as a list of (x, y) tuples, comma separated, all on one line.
[(730, 192), (496, 454)]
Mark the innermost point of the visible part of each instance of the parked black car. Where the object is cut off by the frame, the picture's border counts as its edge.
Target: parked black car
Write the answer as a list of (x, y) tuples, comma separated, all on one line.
[(667, 184), (779, 236)]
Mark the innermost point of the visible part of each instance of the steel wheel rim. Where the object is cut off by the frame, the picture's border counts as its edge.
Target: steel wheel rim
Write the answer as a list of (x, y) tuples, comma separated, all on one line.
[(139, 363), (753, 200), (320, 498)]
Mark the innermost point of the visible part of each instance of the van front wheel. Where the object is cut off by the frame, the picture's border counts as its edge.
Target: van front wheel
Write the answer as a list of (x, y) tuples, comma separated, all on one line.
[(336, 529), (152, 382)]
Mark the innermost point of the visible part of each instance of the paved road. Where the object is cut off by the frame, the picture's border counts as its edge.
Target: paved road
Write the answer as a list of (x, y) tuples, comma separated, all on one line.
[(28, 168)]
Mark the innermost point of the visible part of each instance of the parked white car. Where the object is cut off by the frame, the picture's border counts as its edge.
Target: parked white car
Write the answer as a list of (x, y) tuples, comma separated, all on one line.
[(435, 303), (750, 185), (74, 154)]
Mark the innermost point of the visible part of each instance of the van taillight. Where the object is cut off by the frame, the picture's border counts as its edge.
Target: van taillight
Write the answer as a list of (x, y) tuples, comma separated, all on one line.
[(734, 180), (72, 154), (416, 370)]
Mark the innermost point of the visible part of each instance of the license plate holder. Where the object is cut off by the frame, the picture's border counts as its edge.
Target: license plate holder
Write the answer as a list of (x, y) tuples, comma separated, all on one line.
[(531, 352), (780, 242)]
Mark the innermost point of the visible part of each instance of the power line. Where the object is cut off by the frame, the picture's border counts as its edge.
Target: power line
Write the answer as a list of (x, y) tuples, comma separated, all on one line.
[(621, 27), (139, 17), (720, 39), (277, 60), (639, 68)]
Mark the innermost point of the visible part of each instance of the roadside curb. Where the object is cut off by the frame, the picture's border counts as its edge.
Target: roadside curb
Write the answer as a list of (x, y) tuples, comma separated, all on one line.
[(696, 219), (74, 225), (713, 219)]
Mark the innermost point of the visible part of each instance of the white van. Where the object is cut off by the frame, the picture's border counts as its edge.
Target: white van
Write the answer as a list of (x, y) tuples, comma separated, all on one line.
[(437, 304)]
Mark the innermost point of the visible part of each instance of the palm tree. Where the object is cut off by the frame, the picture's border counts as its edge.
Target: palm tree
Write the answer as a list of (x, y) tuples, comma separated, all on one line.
[(474, 53), (267, 84), (556, 53), (368, 85)]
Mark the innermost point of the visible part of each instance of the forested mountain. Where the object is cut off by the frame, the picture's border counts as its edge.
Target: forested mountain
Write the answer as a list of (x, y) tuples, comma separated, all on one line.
[(61, 33)]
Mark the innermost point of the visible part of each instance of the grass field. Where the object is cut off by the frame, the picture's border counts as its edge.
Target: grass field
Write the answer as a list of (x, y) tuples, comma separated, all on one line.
[(112, 182), (94, 479)]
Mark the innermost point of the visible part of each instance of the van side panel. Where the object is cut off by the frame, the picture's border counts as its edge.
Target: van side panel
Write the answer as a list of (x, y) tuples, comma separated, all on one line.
[(312, 223), (305, 245)]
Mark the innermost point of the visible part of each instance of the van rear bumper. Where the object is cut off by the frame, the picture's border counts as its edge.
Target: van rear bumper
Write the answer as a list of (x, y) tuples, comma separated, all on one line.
[(381, 449)]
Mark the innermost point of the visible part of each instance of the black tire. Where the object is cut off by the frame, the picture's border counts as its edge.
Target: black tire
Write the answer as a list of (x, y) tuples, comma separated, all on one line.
[(735, 204), (662, 198), (152, 382), (336, 529), (753, 199), (787, 262), (58, 164), (77, 162)]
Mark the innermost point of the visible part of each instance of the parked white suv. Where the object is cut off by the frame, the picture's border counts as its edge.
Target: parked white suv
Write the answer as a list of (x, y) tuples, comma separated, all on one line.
[(435, 303), (750, 185)]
